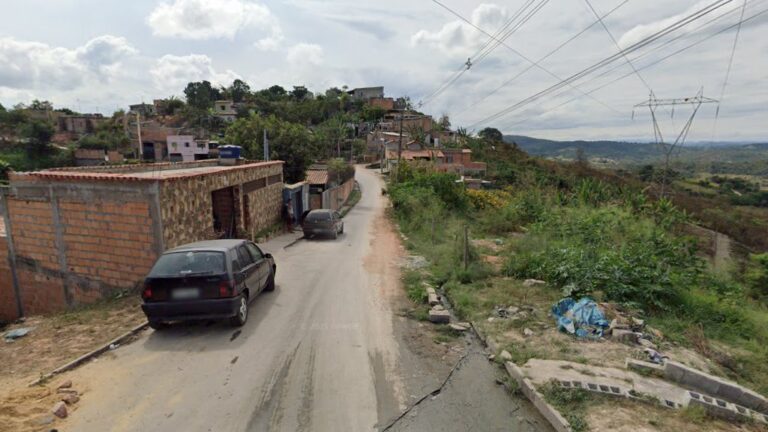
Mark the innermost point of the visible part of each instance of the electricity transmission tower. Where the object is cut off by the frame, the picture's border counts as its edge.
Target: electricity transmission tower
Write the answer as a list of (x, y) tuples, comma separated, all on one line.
[(668, 148)]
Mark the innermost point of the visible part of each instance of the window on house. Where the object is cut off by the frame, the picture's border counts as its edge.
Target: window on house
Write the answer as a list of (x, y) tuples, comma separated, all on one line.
[(223, 108), (186, 144)]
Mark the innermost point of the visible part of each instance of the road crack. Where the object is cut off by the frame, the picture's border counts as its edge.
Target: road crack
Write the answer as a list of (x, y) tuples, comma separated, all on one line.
[(433, 393)]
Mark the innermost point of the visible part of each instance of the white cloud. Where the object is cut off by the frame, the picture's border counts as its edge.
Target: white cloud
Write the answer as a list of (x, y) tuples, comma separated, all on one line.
[(305, 54), (458, 36), (214, 19), (172, 73), (35, 65), (643, 31)]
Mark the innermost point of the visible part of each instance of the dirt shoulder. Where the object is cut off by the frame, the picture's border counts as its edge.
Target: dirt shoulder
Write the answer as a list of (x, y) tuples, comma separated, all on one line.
[(53, 341)]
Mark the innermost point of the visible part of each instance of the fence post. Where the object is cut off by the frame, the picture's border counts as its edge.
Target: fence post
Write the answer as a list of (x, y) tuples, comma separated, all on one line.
[(466, 247)]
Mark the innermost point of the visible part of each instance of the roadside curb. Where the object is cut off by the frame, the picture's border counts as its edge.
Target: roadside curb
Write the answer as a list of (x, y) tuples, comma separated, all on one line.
[(293, 242), (344, 209), (93, 354), (550, 413)]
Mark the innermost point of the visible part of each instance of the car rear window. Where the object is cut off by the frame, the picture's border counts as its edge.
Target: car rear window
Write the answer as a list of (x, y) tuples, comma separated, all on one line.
[(189, 263), (321, 216)]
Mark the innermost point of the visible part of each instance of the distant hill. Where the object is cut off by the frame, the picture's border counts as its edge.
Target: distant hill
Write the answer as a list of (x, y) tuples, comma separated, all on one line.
[(718, 157)]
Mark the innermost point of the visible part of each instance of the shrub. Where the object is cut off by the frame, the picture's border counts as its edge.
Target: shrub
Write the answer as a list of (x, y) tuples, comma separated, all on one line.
[(757, 275)]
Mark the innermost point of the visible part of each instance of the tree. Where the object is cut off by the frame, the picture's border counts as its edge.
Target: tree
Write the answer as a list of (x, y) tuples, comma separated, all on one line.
[(445, 122), (38, 105), (329, 136), (239, 90), (287, 142), (491, 134), (299, 93), (417, 134), (2, 108), (372, 113), (37, 135), (201, 95)]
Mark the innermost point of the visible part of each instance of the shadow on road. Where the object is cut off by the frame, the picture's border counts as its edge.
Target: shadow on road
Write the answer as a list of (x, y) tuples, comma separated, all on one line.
[(198, 336)]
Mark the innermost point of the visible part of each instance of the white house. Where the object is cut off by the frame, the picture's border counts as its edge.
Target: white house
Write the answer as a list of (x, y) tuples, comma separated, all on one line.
[(226, 110), (184, 148)]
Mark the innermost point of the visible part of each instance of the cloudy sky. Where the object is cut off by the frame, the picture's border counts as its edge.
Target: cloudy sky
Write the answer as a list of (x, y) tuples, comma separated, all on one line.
[(99, 55)]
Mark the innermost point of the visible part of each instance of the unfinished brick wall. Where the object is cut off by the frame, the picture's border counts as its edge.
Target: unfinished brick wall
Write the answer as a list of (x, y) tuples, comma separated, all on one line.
[(108, 242), (8, 310)]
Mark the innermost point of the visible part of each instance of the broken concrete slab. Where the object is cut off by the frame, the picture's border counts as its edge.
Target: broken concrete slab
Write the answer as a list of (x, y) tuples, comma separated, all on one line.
[(458, 327), (439, 316), (533, 282), (647, 344), (505, 355), (527, 332), (639, 365)]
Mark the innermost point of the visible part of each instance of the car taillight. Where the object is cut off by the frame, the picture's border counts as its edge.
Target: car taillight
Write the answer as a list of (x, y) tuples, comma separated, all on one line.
[(227, 288), (146, 294)]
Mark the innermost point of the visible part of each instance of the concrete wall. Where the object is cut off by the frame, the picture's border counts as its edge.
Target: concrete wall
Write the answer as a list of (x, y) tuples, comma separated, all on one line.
[(186, 204), (336, 197)]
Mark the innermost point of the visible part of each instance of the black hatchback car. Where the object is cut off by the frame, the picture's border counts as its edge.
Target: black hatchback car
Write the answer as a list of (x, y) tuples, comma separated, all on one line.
[(214, 279)]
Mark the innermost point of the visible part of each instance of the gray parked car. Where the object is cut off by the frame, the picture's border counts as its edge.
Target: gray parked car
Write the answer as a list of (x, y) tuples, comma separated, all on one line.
[(323, 222), (214, 279)]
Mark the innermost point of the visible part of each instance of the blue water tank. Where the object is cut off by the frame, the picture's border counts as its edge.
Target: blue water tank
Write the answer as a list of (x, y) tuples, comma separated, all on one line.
[(230, 152)]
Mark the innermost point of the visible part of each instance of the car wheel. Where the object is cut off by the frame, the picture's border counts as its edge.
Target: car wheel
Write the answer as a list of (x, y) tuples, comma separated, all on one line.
[(157, 325), (342, 229), (270, 282), (242, 313), (335, 234)]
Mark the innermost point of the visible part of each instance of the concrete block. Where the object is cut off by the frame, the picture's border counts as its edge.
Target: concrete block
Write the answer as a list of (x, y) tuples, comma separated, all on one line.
[(639, 365), (514, 371), (625, 336), (753, 400), (433, 299), (439, 316)]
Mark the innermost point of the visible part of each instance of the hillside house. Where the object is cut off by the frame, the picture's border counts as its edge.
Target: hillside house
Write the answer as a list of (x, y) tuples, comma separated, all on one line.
[(143, 109), (185, 148), (367, 93), (75, 235), (225, 110), (80, 124)]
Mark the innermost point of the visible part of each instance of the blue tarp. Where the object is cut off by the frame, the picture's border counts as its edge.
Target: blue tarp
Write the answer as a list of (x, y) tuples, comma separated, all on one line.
[(584, 318)]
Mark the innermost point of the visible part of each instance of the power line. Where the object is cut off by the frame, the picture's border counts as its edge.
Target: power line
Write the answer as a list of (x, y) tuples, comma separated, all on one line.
[(519, 54), (481, 53), (730, 65), (549, 54), (656, 62), (638, 45)]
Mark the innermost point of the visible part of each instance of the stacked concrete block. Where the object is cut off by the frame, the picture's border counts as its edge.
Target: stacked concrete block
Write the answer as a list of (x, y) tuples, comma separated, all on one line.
[(723, 409), (717, 387)]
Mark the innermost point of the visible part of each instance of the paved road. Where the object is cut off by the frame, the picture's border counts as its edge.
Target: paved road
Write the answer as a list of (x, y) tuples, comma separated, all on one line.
[(321, 353)]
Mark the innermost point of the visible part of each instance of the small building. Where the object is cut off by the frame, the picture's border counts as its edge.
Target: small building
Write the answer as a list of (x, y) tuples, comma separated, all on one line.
[(143, 109), (367, 93), (225, 110), (383, 103), (154, 143), (88, 157), (77, 235), (185, 148), (78, 124), (327, 192), (459, 161)]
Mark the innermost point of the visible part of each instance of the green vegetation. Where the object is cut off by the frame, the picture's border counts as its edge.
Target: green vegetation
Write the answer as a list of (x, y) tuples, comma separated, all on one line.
[(571, 403), (585, 232)]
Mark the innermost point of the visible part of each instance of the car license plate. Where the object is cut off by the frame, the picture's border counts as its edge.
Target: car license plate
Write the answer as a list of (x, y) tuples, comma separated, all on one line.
[(185, 294)]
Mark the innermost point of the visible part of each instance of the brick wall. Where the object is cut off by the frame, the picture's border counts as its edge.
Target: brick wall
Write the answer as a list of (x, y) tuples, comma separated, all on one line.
[(8, 310), (186, 204), (97, 248), (107, 242)]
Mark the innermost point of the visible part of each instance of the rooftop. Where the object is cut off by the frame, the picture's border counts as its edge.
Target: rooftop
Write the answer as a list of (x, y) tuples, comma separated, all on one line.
[(138, 173), (317, 177)]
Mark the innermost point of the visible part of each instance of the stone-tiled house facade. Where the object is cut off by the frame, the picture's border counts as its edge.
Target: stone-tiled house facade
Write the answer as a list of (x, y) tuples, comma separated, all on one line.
[(75, 235)]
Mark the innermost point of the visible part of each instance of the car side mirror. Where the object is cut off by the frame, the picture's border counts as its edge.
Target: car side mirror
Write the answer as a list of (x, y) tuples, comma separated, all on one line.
[(268, 255)]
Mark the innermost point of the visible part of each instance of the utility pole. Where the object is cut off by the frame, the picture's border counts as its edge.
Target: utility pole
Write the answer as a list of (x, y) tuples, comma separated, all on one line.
[(669, 148), (138, 132), (266, 146)]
